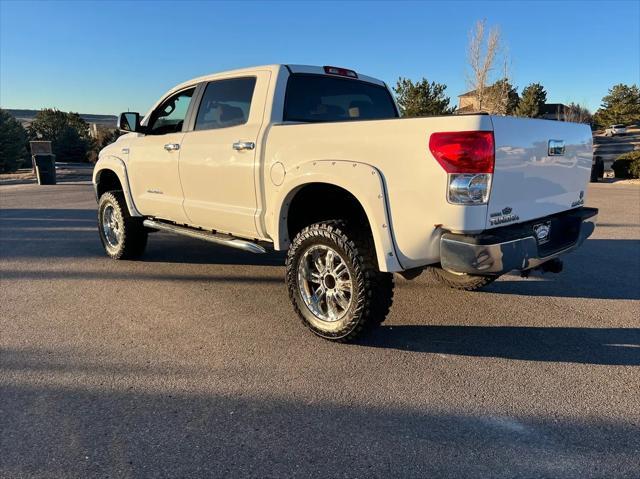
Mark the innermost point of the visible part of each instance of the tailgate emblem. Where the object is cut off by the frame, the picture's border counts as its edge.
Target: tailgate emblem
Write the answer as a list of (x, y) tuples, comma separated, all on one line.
[(556, 147), (542, 232)]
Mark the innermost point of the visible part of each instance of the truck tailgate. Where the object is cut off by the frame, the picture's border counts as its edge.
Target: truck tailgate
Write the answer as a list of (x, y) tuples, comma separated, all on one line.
[(528, 182)]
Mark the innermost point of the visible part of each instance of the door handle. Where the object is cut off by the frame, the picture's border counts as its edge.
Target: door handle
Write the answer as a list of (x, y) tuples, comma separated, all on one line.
[(172, 146), (244, 145)]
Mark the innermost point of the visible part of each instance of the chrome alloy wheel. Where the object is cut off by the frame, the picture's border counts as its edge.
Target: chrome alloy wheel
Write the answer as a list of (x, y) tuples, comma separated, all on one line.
[(325, 283), (111, 226)]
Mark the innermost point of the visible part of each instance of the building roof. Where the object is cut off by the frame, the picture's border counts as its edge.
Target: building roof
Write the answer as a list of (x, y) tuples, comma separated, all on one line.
[(469, 93), (466, 109), (552, 108)]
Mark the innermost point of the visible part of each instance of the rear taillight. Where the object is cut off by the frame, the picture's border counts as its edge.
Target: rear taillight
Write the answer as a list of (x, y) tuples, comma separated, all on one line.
[(464, 151), (468, 157)]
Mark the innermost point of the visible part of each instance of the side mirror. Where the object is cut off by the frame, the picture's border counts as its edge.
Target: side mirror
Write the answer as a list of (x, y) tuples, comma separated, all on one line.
[(130, 121)]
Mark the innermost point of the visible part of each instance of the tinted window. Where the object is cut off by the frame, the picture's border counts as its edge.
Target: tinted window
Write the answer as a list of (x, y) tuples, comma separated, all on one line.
[(169, 116), (225, 103), (318, 98)]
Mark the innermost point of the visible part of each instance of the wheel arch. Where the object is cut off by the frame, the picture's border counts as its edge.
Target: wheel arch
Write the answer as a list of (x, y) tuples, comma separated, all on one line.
[(360, 185), (110, 172)]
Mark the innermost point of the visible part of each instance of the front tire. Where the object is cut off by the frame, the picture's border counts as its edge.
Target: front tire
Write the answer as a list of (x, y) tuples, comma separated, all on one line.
[(466, 282), (334, 282), (123, 236)]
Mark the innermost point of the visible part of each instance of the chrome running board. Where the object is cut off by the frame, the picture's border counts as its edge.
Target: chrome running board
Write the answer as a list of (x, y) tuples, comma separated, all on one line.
[(222, 239)]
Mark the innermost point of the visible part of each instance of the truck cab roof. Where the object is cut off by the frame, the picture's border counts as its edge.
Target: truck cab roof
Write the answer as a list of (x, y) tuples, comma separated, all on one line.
[(275, 69)]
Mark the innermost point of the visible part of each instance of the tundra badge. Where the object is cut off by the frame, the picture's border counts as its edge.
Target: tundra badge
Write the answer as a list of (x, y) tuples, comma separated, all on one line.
[(502, 217)]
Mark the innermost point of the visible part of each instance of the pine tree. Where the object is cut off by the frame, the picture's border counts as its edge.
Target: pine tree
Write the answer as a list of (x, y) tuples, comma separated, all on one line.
[(422, 98), (533, 98), (13, 138), (621, 105)]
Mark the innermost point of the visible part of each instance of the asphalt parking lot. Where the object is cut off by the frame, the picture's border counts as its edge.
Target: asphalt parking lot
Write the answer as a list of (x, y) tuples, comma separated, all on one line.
[(191, 363)]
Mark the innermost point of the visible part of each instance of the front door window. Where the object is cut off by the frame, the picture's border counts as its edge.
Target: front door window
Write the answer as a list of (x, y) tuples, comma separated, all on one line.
[(170, 115)]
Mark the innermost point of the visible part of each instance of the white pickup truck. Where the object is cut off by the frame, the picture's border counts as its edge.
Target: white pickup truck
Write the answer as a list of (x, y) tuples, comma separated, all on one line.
[(317, 161)]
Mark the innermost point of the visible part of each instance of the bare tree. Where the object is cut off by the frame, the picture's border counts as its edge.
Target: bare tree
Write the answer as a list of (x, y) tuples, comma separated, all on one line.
[(504, 91), (481, 56), (575, 113)]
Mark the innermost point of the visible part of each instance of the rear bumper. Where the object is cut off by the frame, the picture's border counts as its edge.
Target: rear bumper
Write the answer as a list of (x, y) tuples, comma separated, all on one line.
[(515, 247)]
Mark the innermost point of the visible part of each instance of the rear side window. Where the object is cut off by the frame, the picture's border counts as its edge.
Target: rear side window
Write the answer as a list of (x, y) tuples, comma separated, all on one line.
[(321, 98), (225, 103)]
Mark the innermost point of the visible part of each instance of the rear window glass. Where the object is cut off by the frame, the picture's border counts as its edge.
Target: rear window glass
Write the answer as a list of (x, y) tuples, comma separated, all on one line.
[(225, 103), (320, 98)]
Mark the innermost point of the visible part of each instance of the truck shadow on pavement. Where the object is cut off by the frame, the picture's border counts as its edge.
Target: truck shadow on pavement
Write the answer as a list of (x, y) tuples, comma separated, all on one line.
[(168, 248), (600, 269), (68, 233), (603, 346)]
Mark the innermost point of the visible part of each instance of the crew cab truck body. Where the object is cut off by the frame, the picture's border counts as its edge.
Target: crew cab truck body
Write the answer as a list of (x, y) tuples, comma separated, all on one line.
[(316, 161)]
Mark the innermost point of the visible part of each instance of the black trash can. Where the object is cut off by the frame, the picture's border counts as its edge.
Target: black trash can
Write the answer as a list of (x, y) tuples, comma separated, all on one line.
[(45, 169), (597, 169)]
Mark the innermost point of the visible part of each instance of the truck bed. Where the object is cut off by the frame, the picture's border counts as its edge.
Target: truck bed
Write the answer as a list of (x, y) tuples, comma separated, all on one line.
[(526, 180)]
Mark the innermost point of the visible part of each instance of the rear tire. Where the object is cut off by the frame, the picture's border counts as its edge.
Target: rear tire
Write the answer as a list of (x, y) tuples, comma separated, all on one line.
[(122, 236), (466, 282), (334, 283)]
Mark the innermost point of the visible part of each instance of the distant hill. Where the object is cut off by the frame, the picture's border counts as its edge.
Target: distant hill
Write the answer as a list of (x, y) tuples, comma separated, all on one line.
[(27, 116)]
